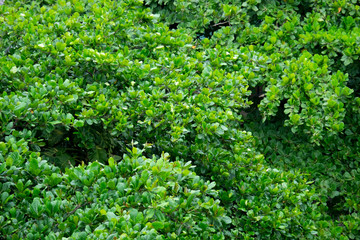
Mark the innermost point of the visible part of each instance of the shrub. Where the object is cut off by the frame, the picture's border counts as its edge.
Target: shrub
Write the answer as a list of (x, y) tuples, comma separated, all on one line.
[(284, 30), (332, 168), (136, 198), (83, 81)]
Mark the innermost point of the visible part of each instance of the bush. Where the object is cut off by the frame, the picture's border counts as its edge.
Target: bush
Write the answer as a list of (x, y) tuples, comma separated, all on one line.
[(333, 169), (287, 31), (136, 198), (83, 81)]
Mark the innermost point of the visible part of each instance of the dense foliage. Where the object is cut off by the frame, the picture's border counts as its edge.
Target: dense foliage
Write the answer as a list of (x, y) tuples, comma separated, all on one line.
[(179, 119)]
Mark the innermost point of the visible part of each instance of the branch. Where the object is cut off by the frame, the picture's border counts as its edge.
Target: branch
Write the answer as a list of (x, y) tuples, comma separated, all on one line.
[(221, 23), (72, 212)]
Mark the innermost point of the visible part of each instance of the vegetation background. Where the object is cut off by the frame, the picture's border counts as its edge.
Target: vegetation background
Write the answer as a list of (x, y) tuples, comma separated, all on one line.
[(179, 119)]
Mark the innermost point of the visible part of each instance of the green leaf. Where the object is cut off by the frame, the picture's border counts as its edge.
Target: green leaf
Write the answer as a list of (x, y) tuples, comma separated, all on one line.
[(14, 70), (227, 219), (150, 213), (111, 216), (158, 225), (4, 197), (60, 46), (294, 118), (20, 106), (34, 166), (98, 154), (35, 207), (139, 217), (190, 199), (111, 162), (9, 161)]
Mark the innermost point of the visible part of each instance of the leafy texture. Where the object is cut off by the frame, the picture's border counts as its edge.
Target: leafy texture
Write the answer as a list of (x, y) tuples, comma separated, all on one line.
[(214, 83), (136, 198)]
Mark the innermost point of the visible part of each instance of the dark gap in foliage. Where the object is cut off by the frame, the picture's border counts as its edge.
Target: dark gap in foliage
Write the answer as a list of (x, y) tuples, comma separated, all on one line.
[(257, 93), (173, 26), (213, 27), (303, 9), (62, 150), (353, 70), (255, 20), (354, 77), (335, 206), (145, 4), (317, 49), (154, 150), (70, 147)]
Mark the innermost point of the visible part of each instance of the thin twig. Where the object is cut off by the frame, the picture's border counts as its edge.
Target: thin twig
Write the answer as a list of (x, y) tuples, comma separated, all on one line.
[(221, 23), (72, 212)]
